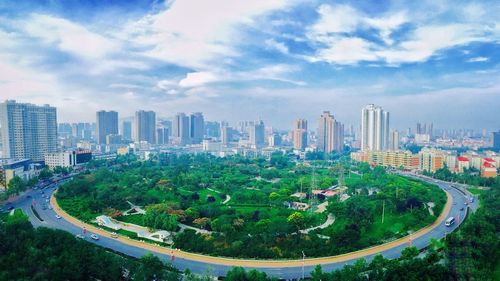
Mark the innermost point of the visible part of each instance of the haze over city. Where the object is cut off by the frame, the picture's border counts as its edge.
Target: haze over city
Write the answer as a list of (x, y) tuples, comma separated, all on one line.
[(427, 61)]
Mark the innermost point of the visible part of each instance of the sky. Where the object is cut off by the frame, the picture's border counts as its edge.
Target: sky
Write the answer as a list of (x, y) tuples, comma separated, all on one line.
[(423, 61)]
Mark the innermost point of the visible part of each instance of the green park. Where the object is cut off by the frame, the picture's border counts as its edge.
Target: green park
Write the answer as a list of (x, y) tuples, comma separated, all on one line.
[(282, 207)]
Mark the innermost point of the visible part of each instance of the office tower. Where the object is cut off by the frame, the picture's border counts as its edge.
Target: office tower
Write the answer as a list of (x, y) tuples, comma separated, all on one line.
[(393, 140), (196, 127), (330, 133), (495, 140), (167, 124), (113, 139), (374, 128), (244, 126), (87, 134), (106, 124), (300, 134), (180, 129), (64, 130), (226, 135), (256, 134), (162, 136), (127, 130), (274, 140), (145, 126), (77, 130), (28, 131), (213, 129)]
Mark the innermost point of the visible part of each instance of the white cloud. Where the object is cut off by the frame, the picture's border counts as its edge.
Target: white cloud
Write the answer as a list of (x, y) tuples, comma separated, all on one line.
[(345, 50), (193, 33), (335, 36), (387, 25), (69, 37), (426, 41), (275, 45), (478, 59), (196, 79), (334, 19)]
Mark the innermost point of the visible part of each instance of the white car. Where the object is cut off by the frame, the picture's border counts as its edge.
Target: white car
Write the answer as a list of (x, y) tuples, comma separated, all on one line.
[(114, 235), (58, 217), (94, 236), (80, 236)]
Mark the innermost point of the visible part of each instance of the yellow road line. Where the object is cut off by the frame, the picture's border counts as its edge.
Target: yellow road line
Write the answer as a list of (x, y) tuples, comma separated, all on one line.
[(261, 263)]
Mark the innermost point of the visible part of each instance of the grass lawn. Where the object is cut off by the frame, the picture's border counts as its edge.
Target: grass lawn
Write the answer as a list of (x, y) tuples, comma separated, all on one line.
[(133, 219), (475, 191)]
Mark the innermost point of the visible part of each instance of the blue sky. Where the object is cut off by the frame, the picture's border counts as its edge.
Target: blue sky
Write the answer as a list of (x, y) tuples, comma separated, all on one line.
[(428, 61)]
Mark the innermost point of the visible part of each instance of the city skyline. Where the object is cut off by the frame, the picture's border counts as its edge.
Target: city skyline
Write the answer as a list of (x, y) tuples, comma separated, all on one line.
[(276, 61)]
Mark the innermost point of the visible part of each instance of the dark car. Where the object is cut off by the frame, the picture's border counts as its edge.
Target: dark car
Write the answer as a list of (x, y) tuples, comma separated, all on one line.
[(10, 208)]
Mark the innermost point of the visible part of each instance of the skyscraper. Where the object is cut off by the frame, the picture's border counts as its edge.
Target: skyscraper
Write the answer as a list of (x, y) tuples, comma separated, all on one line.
[(226, 135), (145, 126), (256, 134), (374, 128), (127, 130), (393, 140), (300, 134), (196, 127), (162, 135), (28, 130), (330, 133), (106, 124), (495, 140), (180, 128), (213, 129)]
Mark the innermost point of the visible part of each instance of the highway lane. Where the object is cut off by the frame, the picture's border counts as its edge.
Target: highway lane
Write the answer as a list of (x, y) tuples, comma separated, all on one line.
[(50, 220)]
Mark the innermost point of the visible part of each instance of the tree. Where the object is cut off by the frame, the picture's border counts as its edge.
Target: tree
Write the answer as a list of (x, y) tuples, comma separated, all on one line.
[(150, 268), (16, 185), (297, 219), (409, 253), (45, 173)]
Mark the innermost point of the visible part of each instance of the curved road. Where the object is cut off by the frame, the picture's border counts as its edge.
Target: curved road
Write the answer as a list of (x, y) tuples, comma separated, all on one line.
[(219, 266)]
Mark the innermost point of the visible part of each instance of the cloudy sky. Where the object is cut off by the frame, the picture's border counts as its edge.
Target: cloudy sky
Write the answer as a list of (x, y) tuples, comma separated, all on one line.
[(429, 61)]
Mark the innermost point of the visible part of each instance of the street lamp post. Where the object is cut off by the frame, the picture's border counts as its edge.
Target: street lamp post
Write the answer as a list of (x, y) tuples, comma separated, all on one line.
[(303, 264)]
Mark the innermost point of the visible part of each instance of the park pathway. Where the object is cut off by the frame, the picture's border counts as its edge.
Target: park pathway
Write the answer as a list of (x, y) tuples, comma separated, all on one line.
[(329, 221)]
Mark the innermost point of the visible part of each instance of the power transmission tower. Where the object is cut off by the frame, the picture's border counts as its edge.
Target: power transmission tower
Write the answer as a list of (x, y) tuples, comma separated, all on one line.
[(312, 187)]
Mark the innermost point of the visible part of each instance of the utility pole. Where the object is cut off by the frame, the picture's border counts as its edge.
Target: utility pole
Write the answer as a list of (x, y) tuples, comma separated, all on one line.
[(313, 185), (303, 265), (383, 211)]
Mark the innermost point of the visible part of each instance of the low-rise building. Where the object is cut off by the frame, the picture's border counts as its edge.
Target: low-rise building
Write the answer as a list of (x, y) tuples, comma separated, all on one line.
[(68, 158), (24, 169)]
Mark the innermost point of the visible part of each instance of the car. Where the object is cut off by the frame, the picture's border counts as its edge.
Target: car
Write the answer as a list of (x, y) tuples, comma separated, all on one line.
[(80, 236), (50, 207), (461, 209), (29, 196), (58, 217), (94, 236), (114, 235)]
